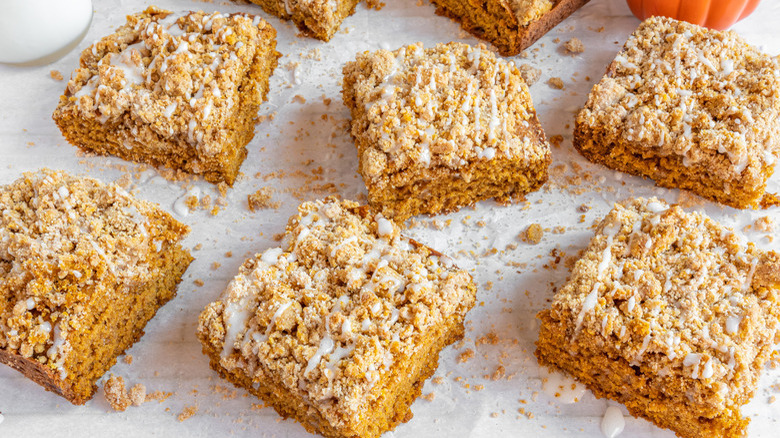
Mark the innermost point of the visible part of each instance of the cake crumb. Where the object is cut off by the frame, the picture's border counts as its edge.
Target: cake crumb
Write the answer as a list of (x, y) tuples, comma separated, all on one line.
[(555, 82), (764, 224), (116, 394), (187, 413), (429, 396), (198, 282), (466, 355), (137, 394), (529, 74), (261, 199), (160, 396), (533, 234), (128, 359), (298, 98), (574, 46), (375, 4), (556, 140), (56, 75), (498, 373)]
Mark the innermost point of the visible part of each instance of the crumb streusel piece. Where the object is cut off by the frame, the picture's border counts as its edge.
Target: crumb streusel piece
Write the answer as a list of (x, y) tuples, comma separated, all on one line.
[(83, 267), (341, 325), (691, 108), (669, 313), (443, 127), (317, 18), (170, 90), (511, 25)]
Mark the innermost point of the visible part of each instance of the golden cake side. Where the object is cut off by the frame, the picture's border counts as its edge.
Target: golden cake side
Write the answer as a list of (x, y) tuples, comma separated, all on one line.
[(319, 19), (510, 25)]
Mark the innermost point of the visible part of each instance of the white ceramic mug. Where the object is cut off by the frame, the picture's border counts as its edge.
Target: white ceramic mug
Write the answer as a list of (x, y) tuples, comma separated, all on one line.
[(38, 32)]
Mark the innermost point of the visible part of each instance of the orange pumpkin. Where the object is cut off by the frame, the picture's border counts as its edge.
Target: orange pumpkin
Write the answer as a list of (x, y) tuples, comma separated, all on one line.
[(715, 14)]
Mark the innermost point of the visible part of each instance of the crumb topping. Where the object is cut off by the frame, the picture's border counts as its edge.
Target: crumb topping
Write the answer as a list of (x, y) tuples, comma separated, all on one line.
[(704, 96), (116, 393), (326, 11), (64, 241), (329, 312), (446, 106), (177, 74), (528, 11), (677, 293)]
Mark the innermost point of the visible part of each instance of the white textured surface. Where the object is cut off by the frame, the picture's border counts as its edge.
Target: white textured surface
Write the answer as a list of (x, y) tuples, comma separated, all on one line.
[(168, 357)]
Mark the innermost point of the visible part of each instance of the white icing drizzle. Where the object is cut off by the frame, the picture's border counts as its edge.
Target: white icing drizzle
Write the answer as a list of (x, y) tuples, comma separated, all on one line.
[(271, 256), (631, 303), (272, 323), (657, 207), (749, 278), (384, 227), (708, 370), (732, 324), (180, 205), (327, 345), (236, 316), (606, 257), (588, 305), (642, 348), (57, 348), (613, 423), (691, 359)]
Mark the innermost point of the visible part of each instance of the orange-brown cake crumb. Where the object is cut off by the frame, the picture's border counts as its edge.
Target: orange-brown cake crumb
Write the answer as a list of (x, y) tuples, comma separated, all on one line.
[(533, 234), (137, 394), (340, 326), (316, 18), (529, 73), (187, 413), (669, 313), (116, 394), (443, 127), (574, 46), (83, 267), (180, 91), (261, 199), (556, 82), (511, 25), (691, 108)]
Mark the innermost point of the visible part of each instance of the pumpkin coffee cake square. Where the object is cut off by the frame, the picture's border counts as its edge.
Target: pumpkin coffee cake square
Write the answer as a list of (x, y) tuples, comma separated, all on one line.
[(691, 108), (441, 128), (83, 267), (669, 313), (174, 90), (340, 326)]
